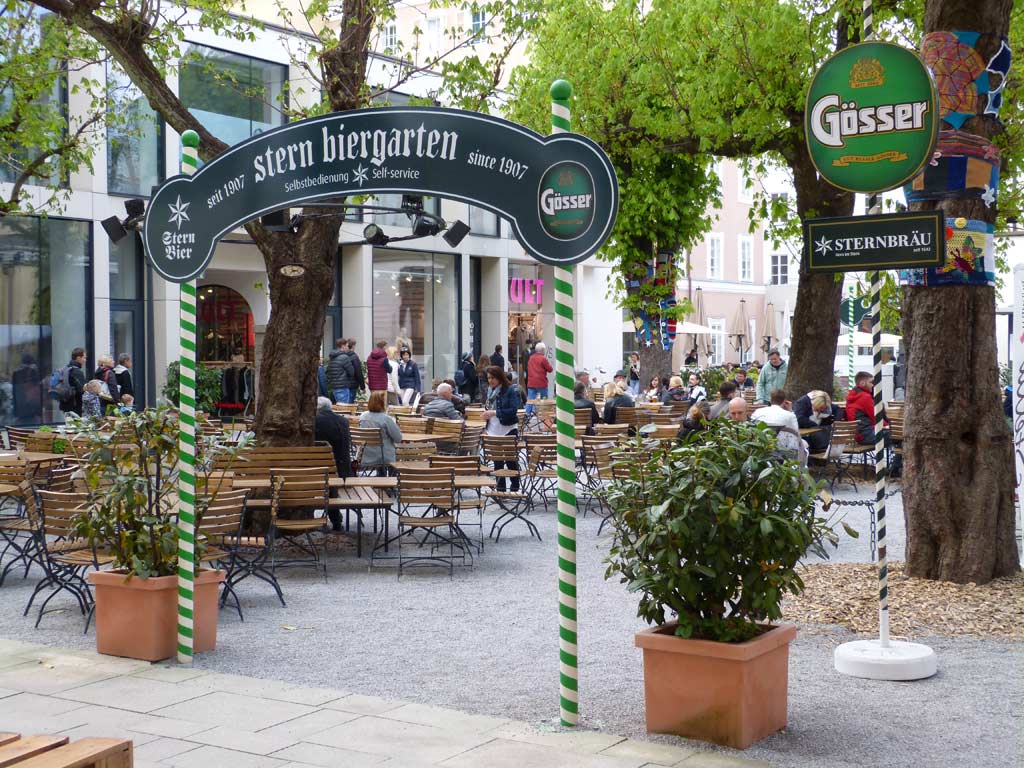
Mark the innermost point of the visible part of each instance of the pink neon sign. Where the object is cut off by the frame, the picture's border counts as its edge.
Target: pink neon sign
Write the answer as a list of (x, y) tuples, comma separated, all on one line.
[(525, 290)]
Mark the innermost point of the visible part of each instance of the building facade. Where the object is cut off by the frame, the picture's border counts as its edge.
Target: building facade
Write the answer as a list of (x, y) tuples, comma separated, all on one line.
[(65, 283)]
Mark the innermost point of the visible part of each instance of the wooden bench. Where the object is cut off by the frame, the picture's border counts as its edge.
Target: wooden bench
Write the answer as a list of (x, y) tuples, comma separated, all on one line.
[(49, 751)]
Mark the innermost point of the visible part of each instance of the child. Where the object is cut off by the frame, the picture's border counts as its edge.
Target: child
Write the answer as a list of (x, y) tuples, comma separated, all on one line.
[(92, 404), (127, 405)]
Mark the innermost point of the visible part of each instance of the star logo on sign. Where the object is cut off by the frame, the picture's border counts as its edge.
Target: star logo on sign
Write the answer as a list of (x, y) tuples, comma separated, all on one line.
[(178, 214), (360, 174), (823, 246)]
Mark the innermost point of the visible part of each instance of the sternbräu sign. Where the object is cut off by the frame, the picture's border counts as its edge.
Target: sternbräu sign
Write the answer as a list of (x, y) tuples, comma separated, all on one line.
[(889, 241), (558, 192)]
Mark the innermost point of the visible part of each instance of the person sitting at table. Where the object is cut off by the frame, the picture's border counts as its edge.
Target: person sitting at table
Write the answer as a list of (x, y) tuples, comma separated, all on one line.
[(784, 422), (860, 407), (742, 380), (332, 428), (726, 392), (441, 407), (376, 416), (615, 397), (502, 417), (697, 420), (738, 411), (654, 390), (675, 393), (581, 402), (815, 411), (697, 391)]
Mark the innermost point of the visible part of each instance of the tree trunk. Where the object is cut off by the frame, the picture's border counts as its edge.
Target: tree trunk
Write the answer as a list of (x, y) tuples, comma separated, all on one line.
[(654, 360), (815, 326), (959, 474)]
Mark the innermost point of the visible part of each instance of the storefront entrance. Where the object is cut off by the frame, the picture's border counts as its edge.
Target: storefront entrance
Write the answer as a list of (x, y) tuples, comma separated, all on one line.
[(525, 329)]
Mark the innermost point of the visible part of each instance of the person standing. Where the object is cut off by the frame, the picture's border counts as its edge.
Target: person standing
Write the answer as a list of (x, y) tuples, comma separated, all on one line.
[(378, 368), (394, 390), (123, 372), (341, 372), (409, 381), (634, 374), (497, 358), (321, 378), (771, 377), (537, 370), (481, 376), (105, 373), (502, 417), (360, 384), (469, 383), (76, 381)]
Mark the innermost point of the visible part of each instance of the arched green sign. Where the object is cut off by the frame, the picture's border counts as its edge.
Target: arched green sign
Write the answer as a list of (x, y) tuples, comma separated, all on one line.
[(871, 118), (559, 192)]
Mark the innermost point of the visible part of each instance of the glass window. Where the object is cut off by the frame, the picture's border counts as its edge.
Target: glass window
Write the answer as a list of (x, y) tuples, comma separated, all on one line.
[(745, 186), (433, 41), (717, 340), (226, 329), (416, 299), (746, 259), (234, 96), (45, 279), (479, 23), (715, 256), (134, 138), (389, 38), (780, 269), (483, 222), (126, 268)]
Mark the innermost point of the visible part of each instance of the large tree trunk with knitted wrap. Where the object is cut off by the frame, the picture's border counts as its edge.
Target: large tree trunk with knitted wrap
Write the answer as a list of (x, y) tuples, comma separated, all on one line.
[(655, 357), (815, 326), (959, 474)]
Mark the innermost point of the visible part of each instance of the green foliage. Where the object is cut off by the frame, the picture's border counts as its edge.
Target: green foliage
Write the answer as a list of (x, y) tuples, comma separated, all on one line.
[(208, 387), (711, 377), (712, 530)]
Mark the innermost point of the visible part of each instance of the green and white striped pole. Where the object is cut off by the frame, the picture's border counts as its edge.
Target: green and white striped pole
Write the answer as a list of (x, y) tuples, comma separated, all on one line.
[(187, 435), (569, 707), (849, 345)]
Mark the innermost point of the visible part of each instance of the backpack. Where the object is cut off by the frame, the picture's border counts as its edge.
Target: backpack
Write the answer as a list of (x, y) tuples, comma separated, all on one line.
[(60, 384), (460, 378)]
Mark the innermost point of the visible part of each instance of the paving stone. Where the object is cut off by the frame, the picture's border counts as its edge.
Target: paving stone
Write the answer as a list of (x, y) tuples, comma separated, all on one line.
[(132, 693), (29, 705), (652, 753), (4, 692), (216, 757), (109, 731), (164, 726), (571, 740), (270, 689), (314, 722), (364, 705), (170, 673), (394, 738), (234, 710), (329, 757), (505, 753), (447, 719), (242, 741), (46, 678), (163, 748), (714, 760)]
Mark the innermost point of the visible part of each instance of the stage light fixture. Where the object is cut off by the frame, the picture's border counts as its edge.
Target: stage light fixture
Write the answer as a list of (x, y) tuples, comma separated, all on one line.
[(456, 233), (374, 235)]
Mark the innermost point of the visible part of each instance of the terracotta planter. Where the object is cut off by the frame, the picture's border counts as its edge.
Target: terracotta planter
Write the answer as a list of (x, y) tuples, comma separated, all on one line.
[(138, 618), (727, 693)]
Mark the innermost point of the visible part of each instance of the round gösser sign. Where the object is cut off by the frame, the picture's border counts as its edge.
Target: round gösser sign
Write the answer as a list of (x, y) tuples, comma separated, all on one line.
[(871, 117), (559, 192)]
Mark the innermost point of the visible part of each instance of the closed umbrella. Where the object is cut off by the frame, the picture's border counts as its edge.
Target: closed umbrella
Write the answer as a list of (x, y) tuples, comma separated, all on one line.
[(769, 336), (740, 331), (701, 341)]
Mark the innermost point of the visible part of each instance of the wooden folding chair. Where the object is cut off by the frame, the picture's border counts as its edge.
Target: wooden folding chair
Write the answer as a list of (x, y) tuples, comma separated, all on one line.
[(299, 493), (219, 534), (431, 492), (449, 432), (469, 501), (504, 453)]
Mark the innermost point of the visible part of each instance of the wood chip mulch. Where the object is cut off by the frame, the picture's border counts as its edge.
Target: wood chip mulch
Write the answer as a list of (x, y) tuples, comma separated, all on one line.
[(846, 594)]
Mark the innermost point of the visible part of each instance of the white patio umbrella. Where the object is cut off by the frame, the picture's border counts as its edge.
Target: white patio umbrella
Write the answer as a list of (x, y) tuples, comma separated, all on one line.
[(693, 329), (740, 331), (769, 336)]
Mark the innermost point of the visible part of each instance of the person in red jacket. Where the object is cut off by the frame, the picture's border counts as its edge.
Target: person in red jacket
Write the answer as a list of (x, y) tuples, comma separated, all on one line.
[(537, 370), (378, 368), (860, 407)]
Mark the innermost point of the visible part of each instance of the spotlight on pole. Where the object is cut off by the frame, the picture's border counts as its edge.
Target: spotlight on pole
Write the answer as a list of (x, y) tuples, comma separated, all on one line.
[(374, 235), (455, 233), (114, 228), (426, 226), (412, 204)]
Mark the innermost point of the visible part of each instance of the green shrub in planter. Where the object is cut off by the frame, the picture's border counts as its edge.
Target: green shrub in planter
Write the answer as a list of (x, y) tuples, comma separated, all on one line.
[(208, 386), (712, 531)]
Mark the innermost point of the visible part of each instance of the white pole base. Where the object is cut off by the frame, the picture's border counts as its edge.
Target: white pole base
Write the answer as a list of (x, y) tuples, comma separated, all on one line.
[(899, 661)]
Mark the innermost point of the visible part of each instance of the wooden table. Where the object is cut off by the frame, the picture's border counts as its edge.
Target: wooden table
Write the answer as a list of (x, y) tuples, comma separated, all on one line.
[(7, 490), (47, 751), (420, 437), (462, 482), (32, 457), (809, 430)]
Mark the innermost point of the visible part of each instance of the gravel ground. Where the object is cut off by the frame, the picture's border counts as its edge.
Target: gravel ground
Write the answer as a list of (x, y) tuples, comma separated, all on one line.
[(486, 642)]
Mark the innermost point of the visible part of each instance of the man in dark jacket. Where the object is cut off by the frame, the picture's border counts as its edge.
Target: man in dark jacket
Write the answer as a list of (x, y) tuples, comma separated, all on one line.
[(408, 373), (497, 358), (816, 411), (123, 372), (358, 363), (332, 428), (470, 385), (341, 373), (76, 379), (378, 368)]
